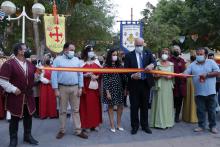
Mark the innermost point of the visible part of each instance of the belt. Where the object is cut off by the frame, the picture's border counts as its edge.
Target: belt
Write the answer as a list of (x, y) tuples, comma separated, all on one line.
[(67, 84)]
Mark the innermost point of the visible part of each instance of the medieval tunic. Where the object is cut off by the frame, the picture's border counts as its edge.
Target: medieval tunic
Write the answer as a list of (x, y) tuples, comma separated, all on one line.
[(13, 72)]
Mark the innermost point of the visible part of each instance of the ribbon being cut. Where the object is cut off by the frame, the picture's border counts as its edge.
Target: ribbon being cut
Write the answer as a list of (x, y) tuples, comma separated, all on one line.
[(114, 70)]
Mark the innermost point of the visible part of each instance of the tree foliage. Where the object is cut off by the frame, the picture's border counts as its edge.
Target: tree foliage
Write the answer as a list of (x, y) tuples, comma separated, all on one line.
[(173, 18), (88, 20)]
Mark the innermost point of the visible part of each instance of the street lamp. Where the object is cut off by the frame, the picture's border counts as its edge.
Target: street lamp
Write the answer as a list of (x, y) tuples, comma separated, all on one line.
[(9, 8)]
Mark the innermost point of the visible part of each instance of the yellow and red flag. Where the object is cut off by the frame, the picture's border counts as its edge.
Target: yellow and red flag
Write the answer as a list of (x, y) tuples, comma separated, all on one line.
[(54, 31)]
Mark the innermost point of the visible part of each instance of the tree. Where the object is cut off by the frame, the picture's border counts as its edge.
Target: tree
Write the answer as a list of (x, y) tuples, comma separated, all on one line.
[(159, 30), (88, 20), (190, 17), (89, 24)]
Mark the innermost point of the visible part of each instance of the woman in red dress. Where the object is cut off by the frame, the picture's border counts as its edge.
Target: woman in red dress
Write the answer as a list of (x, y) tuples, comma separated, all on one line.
[(90, 103), (47, 100)]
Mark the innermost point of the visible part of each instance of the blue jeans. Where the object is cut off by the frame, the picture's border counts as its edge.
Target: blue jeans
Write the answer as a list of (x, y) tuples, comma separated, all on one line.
[(206, 103)]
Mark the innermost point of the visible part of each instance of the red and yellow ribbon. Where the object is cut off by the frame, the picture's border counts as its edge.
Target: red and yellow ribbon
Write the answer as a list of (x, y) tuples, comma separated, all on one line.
[(114, 70)]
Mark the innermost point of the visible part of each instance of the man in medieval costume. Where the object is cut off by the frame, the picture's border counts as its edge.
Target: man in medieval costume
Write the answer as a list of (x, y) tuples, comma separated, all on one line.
[(17, 77)]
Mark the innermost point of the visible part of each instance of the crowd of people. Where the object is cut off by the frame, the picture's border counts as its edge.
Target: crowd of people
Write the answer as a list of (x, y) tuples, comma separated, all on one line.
[(28, 91)]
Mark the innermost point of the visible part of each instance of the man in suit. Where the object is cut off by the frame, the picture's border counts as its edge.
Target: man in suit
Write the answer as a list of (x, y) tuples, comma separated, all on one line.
[(139, 85)]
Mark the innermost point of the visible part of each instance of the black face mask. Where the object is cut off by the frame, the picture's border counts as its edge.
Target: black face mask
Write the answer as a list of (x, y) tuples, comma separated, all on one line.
[(176, 54), (27, 54), (101, 62), (47, 62), (34, 62)]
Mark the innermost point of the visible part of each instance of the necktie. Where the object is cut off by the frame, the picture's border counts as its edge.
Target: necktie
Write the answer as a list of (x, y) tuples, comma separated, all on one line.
[(141, 66)]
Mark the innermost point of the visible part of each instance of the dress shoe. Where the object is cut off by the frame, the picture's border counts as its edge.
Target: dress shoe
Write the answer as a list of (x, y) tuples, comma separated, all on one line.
[(96, 129), (214, 130), (13, 142), (134, 131), (60, 135), (82, 135), (29, 139), (199, 129), (147, 130)]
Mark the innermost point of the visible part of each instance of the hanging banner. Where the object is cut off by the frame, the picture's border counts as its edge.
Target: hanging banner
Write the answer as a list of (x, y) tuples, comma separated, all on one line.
[(55, 33), (129, 30)]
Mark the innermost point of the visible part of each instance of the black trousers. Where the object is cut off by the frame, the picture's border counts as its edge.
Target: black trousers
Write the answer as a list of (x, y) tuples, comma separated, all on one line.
[(178, 102), (27, 123), (139, 96)]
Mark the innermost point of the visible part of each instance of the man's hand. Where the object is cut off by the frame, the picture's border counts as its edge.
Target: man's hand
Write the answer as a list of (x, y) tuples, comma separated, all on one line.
[(17, 92), (136, 76), (149, 67), (79, 92), (57, 93)]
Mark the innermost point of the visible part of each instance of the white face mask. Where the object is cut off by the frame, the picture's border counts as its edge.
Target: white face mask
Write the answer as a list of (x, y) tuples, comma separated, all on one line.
[(139, 49), (70, 54), (164, 57), (91, 54), (114, 58)]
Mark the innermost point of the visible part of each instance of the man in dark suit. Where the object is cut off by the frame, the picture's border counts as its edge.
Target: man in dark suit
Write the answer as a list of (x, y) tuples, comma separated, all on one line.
[(139, 85)]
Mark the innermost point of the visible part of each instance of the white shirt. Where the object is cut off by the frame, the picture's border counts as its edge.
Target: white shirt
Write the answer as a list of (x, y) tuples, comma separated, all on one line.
[(6, 85), (23, 64)]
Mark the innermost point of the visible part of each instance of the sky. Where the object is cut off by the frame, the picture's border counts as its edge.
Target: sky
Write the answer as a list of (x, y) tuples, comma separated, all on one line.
[(123, 10)]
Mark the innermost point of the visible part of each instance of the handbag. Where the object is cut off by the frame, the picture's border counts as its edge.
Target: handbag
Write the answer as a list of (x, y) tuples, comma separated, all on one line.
[(93, 85)]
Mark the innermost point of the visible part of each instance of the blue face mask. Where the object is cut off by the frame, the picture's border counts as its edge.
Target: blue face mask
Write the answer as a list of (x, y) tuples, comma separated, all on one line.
[(70, 54), (200, 58)]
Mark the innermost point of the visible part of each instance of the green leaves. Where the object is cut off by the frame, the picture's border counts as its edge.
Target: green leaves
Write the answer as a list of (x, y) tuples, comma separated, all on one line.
[(185, 18), (88, 21)]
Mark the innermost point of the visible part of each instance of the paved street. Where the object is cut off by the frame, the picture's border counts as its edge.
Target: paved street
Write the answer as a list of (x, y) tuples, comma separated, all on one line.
[(180, 135)]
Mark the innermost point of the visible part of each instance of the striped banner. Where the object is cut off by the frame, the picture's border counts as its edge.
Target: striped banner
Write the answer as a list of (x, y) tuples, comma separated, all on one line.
[(113, 70)]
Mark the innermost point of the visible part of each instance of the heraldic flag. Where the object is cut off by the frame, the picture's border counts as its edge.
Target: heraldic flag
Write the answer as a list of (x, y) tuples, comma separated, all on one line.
[(55, 33)]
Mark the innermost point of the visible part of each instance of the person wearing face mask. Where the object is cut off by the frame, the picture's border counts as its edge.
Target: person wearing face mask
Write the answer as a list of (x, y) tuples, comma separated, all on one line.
[(47, 98), (90, 103), (204, 80), (162, 111), (113, 92), (68, 88), (17, 77), (179, 90), (139, 85)]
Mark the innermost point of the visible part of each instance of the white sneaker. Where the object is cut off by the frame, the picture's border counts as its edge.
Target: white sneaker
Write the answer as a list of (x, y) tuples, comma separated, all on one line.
[(120, 129), (113, 130)]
